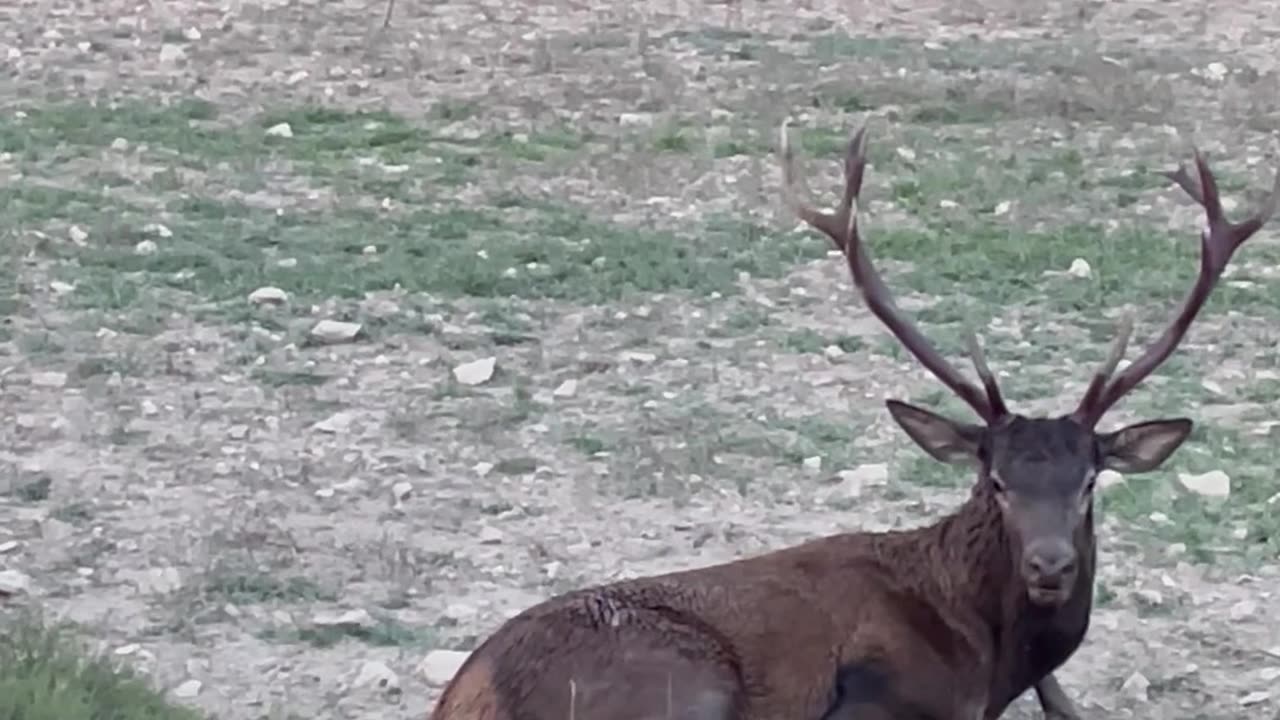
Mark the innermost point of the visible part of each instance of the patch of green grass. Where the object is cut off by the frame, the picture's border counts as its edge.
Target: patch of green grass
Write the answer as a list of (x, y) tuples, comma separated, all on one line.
[(1244, 527), (46, 674), (248, 588), (383, 632), (222, 251)]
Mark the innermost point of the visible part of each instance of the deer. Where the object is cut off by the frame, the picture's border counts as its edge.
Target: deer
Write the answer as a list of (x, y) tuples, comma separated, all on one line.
[(952, 620)]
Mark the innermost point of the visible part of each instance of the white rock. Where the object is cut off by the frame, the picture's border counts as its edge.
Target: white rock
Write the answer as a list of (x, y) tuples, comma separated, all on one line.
[(1136, 687), (129, 649), (377, 675), (336, 423), (640, 358), (146, 247), (157, 229), (490, 536), (854, 482), (1269, 674), (170, 53), (77, 235), (359, 618), (13, 582), (1002, 208), (566, 389), (1256, 697), (813, 463), (1109, 478), (635, 119), (402, 490), (9, 546), (833, 352), (1215, 483), (907, 154), (281, 130), (61, 288), (335, 331), (1080, 268), (268, 295), (439, 666), (460, 611), (188, 689), (49, 379), (475, 372)]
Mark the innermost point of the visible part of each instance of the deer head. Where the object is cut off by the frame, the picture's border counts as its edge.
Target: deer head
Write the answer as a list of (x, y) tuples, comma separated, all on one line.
[(1040, 471)]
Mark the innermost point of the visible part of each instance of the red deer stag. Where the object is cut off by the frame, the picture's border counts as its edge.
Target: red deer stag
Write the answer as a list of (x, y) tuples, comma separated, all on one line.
[(952, 621)]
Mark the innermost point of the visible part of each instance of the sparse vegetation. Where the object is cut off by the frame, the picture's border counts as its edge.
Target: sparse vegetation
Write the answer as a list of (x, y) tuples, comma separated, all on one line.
[(679, 375)]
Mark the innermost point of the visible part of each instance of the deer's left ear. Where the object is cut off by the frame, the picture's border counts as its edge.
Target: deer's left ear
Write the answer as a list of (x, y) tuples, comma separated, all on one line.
[(1144, 446)]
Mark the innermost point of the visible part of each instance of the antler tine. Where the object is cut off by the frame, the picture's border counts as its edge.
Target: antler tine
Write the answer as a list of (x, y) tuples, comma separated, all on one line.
[(842, 228), (1108, 367), (1218, 242), (988, 378)]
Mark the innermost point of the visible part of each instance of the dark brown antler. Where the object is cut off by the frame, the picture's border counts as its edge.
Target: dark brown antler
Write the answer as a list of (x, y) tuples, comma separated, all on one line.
[(842, 227), (1218, 241)]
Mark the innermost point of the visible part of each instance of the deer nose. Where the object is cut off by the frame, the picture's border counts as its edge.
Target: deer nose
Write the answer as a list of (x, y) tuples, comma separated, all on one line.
[(1050, 560)]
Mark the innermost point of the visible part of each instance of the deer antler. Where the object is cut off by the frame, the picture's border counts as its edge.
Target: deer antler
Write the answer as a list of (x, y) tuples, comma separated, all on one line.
[(842, 227), (1218, 241)]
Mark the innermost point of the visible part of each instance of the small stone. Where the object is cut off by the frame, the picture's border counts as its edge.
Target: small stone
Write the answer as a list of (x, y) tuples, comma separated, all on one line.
[(566, 389), (1002, 208), (120, 144), (13, 582), (1136, 687), (336, 423), (640, 358), (401, 491), (146, 247), (280, 130), (1256, 697), (188, 689), (475, 372), (1213, 484), (907, 154), (813, 463), (331, 332), (268, 295), (1149, 598), (1242, 610), (49, 379), (854, 482), (130, 649), (460, 611), (369, 250), (157, 229), (354, 619), (1269, 674), (483, 468), (192, 34), (61, 288), (170, 53), (490, 536), (635, 119), (9, 546), (1109, 478), (833, 352), (1080, 268), (377, 675), (439, 666)]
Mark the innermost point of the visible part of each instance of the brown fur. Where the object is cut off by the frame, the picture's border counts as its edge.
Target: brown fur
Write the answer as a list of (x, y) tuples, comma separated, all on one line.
[(771, 637)]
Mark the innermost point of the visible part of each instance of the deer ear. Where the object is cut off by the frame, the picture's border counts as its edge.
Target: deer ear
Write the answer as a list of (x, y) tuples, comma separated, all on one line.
[(1143, 446), (945, 439)]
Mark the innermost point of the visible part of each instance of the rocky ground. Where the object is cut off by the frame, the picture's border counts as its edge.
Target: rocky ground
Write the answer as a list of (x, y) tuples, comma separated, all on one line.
[(566, 331)]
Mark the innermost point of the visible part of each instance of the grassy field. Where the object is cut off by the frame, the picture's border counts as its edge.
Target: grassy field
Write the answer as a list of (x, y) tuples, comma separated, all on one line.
[(588, 194)]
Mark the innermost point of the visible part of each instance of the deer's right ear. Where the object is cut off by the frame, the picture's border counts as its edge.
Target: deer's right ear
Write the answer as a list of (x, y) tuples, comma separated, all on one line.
[(945, 439)]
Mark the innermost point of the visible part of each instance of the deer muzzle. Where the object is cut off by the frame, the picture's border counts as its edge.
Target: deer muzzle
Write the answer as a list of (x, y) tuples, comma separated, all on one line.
[(1049, 567)]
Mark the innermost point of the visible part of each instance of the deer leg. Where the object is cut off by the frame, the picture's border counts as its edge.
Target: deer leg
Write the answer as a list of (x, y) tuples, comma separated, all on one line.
[(1054, 701)]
